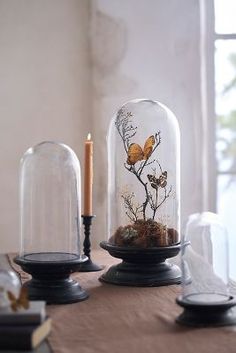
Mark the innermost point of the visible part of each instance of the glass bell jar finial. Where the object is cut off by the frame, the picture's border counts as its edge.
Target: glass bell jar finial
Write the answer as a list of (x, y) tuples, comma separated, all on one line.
[(50, 222), (205, 293), (143, 194)]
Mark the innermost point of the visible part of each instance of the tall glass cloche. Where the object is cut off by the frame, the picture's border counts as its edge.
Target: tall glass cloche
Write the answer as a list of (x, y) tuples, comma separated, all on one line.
[(205, 273), (50, 219), (143, 181)]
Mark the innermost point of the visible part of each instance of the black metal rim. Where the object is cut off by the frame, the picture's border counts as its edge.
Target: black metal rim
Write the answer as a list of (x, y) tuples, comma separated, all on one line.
[(170, 251), (207, 306), (22, 261)]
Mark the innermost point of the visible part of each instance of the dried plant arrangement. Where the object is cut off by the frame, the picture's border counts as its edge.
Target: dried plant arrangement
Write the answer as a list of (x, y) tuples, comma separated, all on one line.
[(145, 228)]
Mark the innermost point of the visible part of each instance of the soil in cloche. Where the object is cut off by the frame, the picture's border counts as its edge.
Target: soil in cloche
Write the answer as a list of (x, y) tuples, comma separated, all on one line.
[(145, 234)]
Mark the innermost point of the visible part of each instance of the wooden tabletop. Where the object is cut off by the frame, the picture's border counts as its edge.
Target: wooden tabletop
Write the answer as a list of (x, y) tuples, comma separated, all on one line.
[(117, 319)]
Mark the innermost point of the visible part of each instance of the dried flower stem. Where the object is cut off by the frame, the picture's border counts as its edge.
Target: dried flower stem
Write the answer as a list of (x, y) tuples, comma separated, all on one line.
[(132, 211), (126, 131)]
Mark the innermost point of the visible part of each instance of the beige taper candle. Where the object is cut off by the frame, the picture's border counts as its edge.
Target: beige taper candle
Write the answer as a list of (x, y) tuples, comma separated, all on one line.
[(88, 177)]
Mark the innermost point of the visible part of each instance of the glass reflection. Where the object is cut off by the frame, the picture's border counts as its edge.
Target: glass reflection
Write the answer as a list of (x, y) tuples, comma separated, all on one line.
[(205, 260)]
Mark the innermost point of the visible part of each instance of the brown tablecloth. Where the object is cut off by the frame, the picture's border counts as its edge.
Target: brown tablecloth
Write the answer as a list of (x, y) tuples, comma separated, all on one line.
[(119, 319)]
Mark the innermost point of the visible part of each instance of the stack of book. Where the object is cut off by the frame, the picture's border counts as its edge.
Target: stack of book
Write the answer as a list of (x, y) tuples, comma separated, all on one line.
[(24, 329)]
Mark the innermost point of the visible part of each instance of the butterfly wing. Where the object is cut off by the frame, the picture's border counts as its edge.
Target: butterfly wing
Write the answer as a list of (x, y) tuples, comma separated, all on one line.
[(162, 180), (22, 301), (23, 298), (148, 147), (12, 300), (135, 154), (153, 180)]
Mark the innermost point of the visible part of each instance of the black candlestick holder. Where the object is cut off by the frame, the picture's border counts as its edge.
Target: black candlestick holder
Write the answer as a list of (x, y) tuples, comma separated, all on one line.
[(89, 265)]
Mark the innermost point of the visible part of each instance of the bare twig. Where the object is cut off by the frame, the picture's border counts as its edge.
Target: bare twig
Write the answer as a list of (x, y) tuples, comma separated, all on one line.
[(126, 131), (132, 211), (124, 128), (159, 166)]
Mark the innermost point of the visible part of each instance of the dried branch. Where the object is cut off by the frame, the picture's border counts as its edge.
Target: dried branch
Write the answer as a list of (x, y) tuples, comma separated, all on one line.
[(138, 172), (124, 128), (166, 195), (142, 163), (159, 166), (132, 211), (126, 131)]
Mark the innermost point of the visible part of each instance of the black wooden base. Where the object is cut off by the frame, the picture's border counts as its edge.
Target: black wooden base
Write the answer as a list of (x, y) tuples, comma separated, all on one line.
[(139, 275), (56, 291), (89, 266), (142, 267), (51, 279), (207, 315)]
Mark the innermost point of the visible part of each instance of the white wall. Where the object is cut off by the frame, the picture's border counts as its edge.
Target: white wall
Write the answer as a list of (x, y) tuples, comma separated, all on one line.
[(44, 89), (67, 65)]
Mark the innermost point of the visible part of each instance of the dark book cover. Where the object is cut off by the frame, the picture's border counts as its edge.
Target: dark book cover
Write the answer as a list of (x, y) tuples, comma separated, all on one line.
[(23, 337)]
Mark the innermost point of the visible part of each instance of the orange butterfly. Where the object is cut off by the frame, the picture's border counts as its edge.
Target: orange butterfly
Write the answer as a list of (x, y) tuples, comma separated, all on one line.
[(21, 302), (136, 153)]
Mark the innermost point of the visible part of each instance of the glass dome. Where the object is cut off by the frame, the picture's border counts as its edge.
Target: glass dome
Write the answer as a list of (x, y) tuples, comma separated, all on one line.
[(50, 203), (143, 176), (9, 282), (205, 273)]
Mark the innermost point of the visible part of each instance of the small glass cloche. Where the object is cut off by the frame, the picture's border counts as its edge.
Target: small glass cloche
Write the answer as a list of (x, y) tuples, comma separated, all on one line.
[(50, 221), (143, 185), (205, 273), (9, 282)]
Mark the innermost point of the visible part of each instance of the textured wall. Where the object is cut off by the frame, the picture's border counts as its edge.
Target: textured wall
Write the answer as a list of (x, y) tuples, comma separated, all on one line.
[(44, 90), (67, 65)]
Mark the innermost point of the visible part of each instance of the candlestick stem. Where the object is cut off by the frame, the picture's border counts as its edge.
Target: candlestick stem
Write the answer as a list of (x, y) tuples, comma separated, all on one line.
[(87, 222), (88, 266)]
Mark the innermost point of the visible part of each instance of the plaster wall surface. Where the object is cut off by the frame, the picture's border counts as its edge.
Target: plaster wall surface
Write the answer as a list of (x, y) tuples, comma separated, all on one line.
[(44, 90), (67, 65)]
